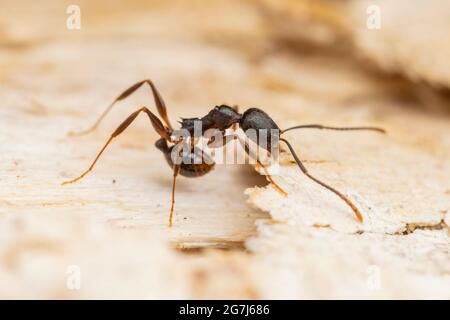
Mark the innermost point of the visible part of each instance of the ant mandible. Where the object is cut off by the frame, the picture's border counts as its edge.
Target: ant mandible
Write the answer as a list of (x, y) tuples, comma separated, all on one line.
[(220, 118)]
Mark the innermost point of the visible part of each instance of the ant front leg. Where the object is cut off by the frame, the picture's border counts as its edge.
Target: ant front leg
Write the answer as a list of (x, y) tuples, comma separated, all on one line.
[(321, 127), (160, 105), (157, 125)]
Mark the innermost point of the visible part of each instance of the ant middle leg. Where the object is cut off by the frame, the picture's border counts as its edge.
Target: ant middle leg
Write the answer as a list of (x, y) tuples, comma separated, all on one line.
[(160, 105), (157, 125)]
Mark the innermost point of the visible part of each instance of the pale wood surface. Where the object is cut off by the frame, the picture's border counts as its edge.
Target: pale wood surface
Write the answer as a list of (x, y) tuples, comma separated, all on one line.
[(307, 245)]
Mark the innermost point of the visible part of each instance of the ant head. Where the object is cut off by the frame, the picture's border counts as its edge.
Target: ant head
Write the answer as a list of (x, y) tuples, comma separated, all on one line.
[(223, 116)]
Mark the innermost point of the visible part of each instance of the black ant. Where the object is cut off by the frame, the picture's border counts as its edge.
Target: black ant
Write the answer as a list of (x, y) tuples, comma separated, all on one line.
[(220, 118)]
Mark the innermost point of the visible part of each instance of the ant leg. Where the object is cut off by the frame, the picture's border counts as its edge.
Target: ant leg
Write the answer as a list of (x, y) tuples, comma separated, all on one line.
[(340, 195), (176, 170), (269, 177), (318, 126), (246, 147), (157, 125), (244, 144), (160, 105)]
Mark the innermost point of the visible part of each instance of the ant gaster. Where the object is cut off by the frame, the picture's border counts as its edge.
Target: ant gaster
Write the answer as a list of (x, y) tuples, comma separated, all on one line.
[(220, 118)]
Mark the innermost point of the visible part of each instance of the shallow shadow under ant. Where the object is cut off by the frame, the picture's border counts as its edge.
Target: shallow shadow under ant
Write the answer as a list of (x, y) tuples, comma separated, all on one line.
[(220, 118)]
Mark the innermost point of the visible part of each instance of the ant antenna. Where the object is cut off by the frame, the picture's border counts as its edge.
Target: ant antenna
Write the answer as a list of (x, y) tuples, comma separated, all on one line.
[(318, 126), (340, 195)]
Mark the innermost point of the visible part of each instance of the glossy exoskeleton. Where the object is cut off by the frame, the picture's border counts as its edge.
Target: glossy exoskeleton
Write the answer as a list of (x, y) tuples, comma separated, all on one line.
[(196, 162)]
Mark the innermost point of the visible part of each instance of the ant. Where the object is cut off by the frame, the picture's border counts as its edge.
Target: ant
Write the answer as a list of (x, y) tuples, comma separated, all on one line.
[(219, 119)]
